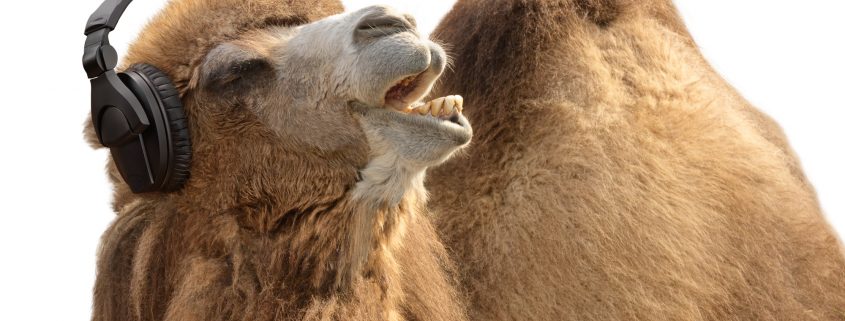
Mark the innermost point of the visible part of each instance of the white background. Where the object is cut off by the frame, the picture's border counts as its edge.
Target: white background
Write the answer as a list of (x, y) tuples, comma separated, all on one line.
[(785, 56)]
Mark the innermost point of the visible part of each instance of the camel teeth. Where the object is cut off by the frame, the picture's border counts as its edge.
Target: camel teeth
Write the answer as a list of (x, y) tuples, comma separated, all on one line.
[(448, 106), (424, 109), (459, 103), (443, 107), (437, 105)]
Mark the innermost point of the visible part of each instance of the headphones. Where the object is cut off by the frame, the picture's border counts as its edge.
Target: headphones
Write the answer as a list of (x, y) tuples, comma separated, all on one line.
[(137, 113)]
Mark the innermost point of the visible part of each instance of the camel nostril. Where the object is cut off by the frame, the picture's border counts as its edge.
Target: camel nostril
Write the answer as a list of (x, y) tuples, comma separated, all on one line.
[(383, 25)]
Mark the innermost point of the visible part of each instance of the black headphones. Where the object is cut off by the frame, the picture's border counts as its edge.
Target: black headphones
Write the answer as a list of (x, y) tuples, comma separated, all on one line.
[(137, 113)]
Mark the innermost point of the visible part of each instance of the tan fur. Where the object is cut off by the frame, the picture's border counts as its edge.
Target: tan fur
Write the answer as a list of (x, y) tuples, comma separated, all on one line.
[(266, 227), (616, 176)]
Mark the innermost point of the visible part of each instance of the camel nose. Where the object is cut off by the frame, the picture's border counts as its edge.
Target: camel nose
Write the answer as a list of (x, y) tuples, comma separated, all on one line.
[(382, 21)]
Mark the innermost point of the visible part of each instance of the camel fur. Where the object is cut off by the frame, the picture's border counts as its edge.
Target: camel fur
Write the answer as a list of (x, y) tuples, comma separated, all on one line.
[(616, 176)]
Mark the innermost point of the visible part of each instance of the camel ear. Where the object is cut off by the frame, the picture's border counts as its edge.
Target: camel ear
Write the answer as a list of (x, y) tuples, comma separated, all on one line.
[(233, 66)]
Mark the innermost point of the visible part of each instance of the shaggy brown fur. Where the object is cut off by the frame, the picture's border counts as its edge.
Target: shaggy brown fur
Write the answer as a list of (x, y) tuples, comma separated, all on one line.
[(616, 176), (261, 231)]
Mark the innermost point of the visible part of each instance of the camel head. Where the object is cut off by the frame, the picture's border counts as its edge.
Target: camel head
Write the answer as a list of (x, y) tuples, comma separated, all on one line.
[(335, 88)]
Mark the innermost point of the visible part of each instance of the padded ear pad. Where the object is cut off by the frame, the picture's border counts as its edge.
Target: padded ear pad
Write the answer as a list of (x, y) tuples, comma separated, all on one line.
[(167, 143)]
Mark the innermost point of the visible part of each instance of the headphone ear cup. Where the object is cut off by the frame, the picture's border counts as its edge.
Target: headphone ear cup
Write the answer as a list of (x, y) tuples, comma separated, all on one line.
[(172, 140)]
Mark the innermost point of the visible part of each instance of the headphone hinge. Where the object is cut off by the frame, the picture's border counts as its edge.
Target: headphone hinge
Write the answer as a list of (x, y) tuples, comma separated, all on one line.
[(99, 56)]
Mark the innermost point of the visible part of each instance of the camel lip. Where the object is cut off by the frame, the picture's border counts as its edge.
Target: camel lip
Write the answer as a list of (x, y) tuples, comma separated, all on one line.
[(451, 120), (435, 113), (453, 126)]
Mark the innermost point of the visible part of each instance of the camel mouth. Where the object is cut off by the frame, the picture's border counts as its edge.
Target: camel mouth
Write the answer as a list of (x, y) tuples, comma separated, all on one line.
[(444, 110), (402, 92), (444, 114), (438, 120), (405, 97), (410, 90)]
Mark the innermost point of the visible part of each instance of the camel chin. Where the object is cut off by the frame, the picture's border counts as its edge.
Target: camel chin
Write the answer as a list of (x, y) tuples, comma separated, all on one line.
[(423, 135)]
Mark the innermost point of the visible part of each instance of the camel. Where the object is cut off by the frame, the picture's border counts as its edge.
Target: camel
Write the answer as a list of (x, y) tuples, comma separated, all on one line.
[(614, 175), (306, 197)]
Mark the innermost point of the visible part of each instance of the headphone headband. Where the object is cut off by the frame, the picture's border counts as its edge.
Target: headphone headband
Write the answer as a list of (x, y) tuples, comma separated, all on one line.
[(106, 16)]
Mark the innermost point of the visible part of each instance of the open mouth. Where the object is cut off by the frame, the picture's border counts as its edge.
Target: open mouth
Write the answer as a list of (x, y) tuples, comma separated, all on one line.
[(402, 91), (405, 95)]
